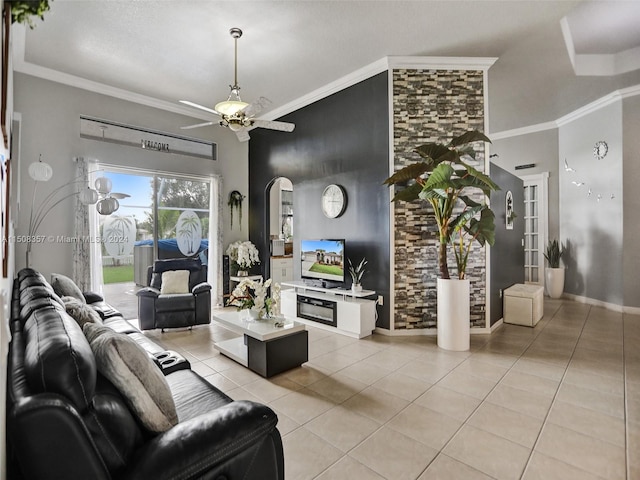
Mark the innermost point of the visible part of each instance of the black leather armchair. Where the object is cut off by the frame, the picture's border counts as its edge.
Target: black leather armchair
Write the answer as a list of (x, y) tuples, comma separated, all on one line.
[(158, 310)]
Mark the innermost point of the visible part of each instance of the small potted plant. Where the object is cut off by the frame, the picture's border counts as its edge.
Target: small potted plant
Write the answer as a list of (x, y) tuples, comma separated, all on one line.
[(554, 274), (356, 274)]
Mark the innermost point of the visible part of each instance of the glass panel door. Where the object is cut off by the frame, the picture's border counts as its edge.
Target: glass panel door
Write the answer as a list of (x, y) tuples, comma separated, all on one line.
[(531, 234), (158, 217), (535, 230), (182, 217)]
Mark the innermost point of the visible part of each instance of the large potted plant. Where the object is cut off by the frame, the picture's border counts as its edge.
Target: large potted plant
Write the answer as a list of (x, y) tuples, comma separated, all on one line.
[(554, 274), (444, 179)]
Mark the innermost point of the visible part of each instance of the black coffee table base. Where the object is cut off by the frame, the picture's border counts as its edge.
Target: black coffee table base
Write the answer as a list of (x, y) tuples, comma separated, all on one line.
[(271, 357)]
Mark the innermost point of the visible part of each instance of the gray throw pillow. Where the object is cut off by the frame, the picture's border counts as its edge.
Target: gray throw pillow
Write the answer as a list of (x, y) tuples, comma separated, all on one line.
[(65, 287), (128, 366), (81, 312)]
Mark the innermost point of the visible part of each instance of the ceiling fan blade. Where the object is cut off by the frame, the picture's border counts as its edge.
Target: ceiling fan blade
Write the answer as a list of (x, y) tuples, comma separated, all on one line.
[(205, 124), (256, 107), (274, 125), (243, 135), (195, 105)]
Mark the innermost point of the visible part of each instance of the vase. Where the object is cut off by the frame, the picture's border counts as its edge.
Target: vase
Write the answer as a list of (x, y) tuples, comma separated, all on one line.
[(454, 329), (356, 287), (554, 281), (243, 273), (249, 315)]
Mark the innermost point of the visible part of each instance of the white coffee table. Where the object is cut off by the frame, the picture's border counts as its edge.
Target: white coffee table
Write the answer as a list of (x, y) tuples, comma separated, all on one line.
[(263, 347)]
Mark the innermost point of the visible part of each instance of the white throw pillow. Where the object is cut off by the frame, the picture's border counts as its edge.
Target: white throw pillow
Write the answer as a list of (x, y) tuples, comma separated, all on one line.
[(175, 281)]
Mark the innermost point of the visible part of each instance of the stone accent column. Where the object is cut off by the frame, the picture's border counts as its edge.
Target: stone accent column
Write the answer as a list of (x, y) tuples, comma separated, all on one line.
[(431, 106)]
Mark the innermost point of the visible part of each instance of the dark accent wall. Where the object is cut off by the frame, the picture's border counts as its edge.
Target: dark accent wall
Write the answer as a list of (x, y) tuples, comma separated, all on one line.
[(507, 254), (341, 139)]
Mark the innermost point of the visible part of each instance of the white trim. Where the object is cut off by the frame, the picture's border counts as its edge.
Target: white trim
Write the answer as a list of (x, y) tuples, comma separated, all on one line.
[(540, 127), (598, 104), (587, 109), (497, 325), (487, 171), (392, 217), (453, 63), (427, 332), (599, 303), (338, 85)]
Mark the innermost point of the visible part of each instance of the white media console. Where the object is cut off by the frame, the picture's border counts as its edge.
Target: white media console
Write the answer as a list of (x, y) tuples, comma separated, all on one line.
[(336, 309)]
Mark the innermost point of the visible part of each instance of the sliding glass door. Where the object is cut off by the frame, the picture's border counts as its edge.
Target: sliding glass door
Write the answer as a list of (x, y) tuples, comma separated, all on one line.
[(159, 217)]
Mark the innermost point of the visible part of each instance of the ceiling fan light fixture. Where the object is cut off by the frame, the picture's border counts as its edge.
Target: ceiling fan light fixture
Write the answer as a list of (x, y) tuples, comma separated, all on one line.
[(230, 108)]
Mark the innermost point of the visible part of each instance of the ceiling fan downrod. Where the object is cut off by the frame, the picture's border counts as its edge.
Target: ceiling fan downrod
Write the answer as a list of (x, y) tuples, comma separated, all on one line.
[(235, 33)]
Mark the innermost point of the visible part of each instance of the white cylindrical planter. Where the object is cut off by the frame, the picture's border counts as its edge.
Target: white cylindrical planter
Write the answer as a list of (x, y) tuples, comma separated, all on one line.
[(554, 280), (453, 315)]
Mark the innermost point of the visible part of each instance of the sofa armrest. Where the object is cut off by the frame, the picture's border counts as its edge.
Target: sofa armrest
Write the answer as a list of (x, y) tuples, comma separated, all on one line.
[(208, 441), (200, 288), (92, 297), (148, 292)]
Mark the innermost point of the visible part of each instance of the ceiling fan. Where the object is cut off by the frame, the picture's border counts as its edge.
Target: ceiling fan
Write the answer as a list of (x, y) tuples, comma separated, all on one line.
[(235, 114)]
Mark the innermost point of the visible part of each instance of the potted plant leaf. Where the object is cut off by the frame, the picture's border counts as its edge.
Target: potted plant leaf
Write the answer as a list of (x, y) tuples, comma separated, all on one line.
[(443, 179), (554, 274)]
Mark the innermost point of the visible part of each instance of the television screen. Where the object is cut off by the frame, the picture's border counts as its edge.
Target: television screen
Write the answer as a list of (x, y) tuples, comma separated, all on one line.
[(322, 259)]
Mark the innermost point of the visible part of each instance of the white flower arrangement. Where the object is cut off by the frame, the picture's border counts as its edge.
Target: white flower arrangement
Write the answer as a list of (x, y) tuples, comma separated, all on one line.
[(245, 254), (252, 294)]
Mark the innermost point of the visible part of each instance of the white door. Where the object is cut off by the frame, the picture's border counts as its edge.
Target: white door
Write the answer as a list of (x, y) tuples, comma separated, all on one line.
[(535, 230)]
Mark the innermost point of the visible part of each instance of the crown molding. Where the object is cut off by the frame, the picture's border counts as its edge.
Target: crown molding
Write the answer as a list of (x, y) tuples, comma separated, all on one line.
[(458, 63), (341, 83), (540, 127), (598, 104), (22, 66), (588, 109)]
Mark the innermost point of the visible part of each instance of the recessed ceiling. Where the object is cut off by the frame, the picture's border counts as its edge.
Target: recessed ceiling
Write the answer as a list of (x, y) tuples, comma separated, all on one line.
[(168, 51), (603, 38)]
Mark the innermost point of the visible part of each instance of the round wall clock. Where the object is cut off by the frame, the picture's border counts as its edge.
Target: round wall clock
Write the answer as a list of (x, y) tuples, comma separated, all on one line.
[(334, 201), (600, 150)]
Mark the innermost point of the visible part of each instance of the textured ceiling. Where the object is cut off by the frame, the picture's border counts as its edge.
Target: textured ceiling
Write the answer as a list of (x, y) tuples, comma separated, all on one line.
[(171, 50)]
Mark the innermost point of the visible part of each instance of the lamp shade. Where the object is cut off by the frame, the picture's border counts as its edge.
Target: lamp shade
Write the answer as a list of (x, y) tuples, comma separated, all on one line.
[(103, 185), (40, 171), (88, 196), (107, 206), (230, 107)]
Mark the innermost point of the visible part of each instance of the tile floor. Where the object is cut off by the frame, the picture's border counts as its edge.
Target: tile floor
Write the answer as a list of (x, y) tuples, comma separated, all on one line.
[(559, 401)]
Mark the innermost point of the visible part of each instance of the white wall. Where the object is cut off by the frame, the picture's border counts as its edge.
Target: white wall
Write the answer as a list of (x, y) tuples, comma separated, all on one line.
[(540, 148), (50, 126), (590, 229)]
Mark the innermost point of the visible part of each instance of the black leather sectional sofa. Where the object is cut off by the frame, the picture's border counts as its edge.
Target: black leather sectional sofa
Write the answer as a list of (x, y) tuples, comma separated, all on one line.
[(66, 421)]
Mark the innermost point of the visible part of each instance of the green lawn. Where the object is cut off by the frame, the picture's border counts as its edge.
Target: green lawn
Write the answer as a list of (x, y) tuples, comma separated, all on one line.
[(329, 269), (120, 274)]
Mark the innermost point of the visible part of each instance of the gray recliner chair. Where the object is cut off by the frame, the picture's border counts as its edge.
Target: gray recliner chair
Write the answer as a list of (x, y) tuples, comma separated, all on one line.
[(172, 310)]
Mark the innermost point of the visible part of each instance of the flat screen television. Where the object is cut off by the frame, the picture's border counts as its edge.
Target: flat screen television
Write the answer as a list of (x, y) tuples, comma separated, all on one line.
[(322, 259)]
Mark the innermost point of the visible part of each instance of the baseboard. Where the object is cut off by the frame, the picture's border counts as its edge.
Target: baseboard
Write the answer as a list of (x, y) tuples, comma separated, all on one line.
[(496, 325), (432, 332), (599, 303), (406, 333)]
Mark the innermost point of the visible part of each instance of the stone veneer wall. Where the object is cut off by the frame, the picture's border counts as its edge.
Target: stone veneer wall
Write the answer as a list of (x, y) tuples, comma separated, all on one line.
[(429, 106)]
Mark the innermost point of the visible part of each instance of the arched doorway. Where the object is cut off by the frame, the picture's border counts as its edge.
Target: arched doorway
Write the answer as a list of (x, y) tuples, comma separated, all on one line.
[(280, 229)]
